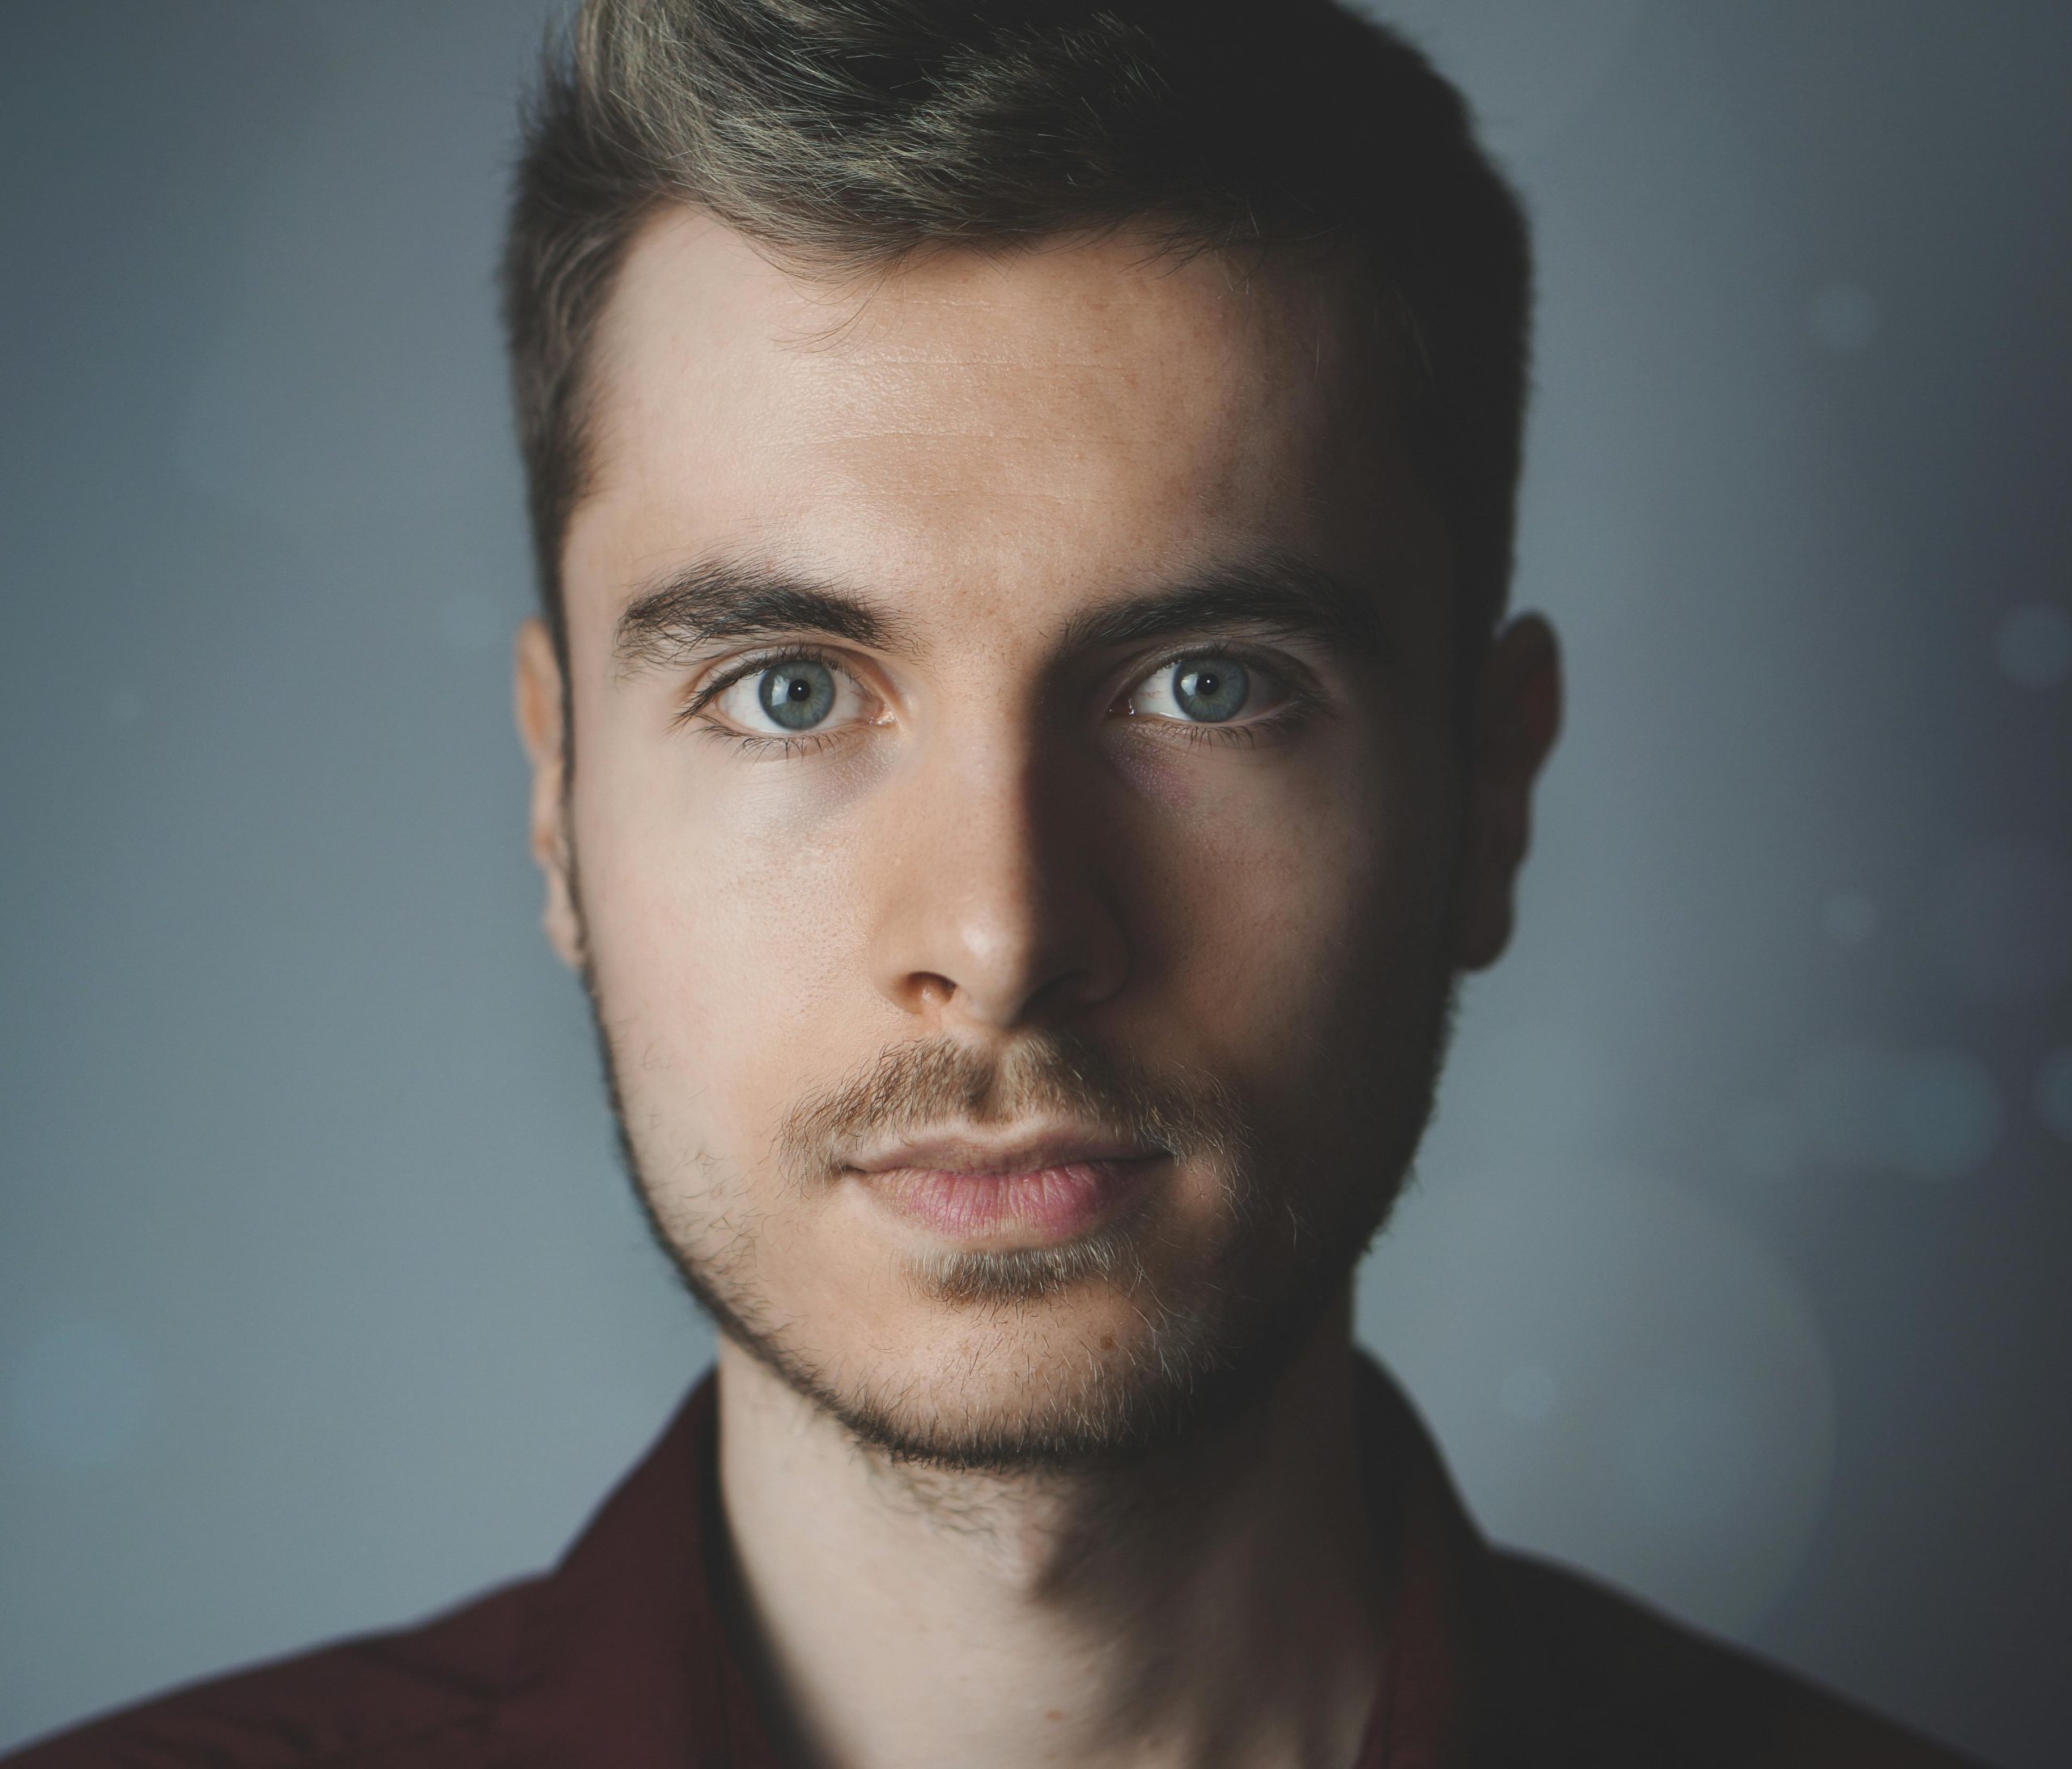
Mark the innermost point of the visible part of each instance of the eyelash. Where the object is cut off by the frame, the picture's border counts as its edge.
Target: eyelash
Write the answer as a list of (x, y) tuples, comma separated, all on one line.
[(758, 742), (1300, 698)]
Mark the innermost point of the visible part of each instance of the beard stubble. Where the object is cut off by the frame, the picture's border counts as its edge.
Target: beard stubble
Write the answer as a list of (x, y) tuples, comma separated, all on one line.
[(1207, 1356)]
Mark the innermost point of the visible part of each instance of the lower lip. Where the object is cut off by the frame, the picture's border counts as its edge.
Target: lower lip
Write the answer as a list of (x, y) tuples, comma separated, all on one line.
[(1042, 1206)]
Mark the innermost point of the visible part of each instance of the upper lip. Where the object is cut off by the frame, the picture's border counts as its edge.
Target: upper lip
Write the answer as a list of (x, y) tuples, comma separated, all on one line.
[(1022, 1154)]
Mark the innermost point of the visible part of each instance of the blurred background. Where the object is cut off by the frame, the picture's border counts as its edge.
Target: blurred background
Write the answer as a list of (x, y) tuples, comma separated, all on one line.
[(1740, 1264)]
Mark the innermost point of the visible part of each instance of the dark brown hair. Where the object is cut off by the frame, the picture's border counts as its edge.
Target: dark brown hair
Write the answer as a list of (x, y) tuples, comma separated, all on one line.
[(842, 135)]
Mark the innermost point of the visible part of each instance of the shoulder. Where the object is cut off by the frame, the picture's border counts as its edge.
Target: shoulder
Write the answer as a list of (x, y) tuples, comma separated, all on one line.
[(420, 1696), (1646, 1690)]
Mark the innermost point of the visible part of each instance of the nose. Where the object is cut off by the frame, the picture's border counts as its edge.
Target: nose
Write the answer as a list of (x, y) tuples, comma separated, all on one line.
[(994, 906)]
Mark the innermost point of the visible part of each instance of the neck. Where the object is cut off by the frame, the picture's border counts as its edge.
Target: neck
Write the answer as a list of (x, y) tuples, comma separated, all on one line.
[(1217, 1604)]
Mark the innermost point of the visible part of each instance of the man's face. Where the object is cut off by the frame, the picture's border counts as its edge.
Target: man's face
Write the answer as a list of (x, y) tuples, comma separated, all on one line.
[(1022, 836)]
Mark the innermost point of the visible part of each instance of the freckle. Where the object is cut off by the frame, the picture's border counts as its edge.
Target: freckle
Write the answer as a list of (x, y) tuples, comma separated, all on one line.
[(1107, 1341)]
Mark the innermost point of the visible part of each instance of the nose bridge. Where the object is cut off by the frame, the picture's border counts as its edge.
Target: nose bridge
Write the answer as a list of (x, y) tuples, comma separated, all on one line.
[(993, 909)]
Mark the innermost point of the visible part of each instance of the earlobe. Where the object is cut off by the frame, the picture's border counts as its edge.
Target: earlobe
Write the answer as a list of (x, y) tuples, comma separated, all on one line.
[(538, 704), (1517, 717)]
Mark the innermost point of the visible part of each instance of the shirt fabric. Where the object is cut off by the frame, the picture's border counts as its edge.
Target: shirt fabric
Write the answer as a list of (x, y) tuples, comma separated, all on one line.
[(623, 1657)]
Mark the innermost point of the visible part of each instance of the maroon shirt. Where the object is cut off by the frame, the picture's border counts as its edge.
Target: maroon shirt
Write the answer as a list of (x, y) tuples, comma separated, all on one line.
[(623, 1657)]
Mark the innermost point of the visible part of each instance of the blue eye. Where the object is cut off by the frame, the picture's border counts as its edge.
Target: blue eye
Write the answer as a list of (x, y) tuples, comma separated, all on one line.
[(1210, 690), (1210, 687), (797, 695)]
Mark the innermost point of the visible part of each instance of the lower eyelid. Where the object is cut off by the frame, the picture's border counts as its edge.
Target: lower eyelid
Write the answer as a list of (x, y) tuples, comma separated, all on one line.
[(759, 743)]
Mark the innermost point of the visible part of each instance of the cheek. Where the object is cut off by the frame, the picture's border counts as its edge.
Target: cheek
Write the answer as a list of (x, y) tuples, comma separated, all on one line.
[(719, 927), (1271, 910)]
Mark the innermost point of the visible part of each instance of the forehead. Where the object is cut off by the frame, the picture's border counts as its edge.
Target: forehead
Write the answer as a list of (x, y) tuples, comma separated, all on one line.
[(1017, 426)]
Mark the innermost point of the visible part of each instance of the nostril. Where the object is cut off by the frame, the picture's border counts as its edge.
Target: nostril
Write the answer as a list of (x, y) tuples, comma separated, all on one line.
[(931, 990)]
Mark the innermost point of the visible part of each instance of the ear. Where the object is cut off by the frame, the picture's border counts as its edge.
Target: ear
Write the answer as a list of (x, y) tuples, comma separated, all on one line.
[(1518, 716), (536, 692)]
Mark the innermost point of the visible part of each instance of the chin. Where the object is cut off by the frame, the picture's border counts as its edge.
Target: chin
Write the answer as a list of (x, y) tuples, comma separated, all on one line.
[(1037, 1358), (1021, 1394)]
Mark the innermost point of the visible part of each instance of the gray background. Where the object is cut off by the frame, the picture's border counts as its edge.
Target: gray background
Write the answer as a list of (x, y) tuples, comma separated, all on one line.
[(1738, 1266)]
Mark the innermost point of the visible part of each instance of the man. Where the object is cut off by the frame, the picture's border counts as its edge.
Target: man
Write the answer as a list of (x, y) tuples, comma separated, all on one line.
[(1024, 738)]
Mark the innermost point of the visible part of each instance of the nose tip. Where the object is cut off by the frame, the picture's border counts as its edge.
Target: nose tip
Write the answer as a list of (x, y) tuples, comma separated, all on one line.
[(998, 985), (997, 913)]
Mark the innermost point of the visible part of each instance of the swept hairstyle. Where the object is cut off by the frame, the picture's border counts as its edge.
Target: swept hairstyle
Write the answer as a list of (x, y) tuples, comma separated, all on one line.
[(842, 136)]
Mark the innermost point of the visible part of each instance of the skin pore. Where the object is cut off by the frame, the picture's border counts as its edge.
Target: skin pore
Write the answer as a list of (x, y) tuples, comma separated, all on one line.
[(1018, 833)]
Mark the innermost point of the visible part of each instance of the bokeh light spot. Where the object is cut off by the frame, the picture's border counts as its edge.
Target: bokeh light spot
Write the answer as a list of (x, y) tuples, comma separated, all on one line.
[(1946, 1115), (2034, 645), (1929, 1114)]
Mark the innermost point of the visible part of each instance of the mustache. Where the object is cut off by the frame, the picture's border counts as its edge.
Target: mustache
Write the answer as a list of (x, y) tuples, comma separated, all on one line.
[(933, 1083)]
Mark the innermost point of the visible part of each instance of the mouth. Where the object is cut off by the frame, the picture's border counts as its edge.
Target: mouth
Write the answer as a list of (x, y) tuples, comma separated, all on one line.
[(1031, 1192)]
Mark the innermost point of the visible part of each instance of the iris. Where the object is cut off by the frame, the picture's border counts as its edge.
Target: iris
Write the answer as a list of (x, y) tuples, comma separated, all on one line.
[(1210, 690), (797, 695)]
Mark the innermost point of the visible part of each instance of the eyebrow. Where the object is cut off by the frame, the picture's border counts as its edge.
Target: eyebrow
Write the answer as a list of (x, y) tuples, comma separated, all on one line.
[(716, 600), (720, 601), (1275, 592)]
